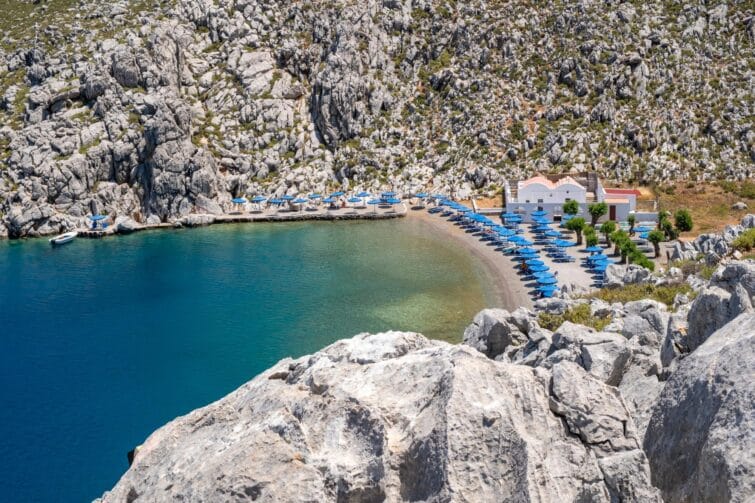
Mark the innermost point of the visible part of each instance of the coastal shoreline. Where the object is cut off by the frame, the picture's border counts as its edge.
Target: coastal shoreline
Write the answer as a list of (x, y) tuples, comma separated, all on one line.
[(503, 288), (202, 220), (508, 292)]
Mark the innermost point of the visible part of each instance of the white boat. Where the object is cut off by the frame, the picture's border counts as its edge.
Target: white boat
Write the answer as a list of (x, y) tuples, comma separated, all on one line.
[(63, 238)]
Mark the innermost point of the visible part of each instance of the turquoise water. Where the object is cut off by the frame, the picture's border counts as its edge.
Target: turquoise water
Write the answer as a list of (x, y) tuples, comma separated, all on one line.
[(104, 341)]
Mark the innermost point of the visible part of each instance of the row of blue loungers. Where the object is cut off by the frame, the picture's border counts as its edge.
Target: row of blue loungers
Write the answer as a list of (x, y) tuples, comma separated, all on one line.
[(508, 238)]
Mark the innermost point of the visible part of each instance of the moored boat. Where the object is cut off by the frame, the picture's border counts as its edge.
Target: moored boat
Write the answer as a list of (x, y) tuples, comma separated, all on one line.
[(63, 238)]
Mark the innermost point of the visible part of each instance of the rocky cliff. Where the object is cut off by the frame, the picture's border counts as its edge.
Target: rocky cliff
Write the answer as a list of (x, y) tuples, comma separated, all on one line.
[(396, 417), (151, 110), (647, 408)]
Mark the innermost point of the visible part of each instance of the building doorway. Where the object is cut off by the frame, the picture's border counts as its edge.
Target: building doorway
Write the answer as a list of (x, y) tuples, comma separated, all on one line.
[(612, 212)]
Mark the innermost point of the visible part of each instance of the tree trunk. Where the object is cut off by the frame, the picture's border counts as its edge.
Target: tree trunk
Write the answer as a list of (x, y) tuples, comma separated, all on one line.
[(657, 248), (579, 238)]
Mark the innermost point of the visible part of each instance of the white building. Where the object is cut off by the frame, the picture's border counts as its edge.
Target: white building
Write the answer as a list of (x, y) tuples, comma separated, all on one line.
[(550, 192)]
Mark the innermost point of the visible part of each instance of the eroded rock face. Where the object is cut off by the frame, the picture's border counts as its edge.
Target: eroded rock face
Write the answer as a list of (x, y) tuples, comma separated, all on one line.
[(699, 440), (396, 417)]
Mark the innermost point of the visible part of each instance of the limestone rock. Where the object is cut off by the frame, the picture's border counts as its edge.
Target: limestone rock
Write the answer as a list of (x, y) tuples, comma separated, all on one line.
[(700, 437), (492, 332), (396, 417)]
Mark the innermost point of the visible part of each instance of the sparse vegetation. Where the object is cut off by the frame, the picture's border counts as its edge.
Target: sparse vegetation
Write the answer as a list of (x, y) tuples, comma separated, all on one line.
[(629, 293), (745, 242), (580, 314)]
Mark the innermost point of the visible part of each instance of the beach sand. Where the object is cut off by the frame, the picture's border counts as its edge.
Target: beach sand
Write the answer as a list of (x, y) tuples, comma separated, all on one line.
[(508, 291)]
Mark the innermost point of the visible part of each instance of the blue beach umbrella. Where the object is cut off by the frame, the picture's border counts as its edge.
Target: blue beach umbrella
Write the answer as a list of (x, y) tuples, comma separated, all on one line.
[(527, 255), (526, 250), (561, 243), (328, 200), (547, 280), (597, 257), (594, 249), (542, 228), (315, 196), (552, 234), (543, 274), (258, 199), (276, 201), (539, 268), (534, 261), (508, 214), (287, 197), (336, 194), (388, 194), (238, 200), (547, 288), (363, 194), (299, 200), (644, 235), (393, 200), (373, 202), (642, 228), (525, 242), (97, 218), (421, 195), (354, 200), (539, 213)]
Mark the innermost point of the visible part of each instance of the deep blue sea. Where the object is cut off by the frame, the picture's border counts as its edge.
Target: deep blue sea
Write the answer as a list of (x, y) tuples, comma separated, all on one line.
[(103, 341)]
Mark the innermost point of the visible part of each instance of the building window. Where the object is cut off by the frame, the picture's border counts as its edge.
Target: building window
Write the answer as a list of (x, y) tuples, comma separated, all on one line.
[(527, 201), (539, 200), (567, 199)]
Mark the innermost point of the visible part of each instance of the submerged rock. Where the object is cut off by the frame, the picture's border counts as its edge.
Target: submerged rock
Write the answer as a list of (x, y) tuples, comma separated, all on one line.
[(396, 417)]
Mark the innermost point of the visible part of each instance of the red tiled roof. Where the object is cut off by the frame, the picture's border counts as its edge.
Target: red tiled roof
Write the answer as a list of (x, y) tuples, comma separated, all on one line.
[(623, 192)]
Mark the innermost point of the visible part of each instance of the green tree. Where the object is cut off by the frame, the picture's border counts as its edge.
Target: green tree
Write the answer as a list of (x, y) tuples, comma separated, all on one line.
[(618, 238), (655, 237), (597, 210), (683, 221), (632, 219), (668, 229), (639, 258), (626, 248), (607, 229), (577, 224), (591, 237), (571, 207), (662, 215)]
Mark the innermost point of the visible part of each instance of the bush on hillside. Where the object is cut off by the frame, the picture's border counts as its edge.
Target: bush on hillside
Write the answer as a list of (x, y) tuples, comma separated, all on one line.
[(745, 242)]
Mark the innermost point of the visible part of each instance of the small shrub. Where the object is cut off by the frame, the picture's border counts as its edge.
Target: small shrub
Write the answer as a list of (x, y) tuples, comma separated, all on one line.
[(571, 207), (629, 293), (579, 314), (745, 242), (683, 221)]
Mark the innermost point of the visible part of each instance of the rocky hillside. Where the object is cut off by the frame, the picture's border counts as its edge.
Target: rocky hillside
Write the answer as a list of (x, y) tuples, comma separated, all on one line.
[(657, 405), (155, 109)]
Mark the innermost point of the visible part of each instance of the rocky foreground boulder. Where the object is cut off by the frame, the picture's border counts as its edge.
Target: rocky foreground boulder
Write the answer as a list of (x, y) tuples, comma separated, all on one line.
[(700, 437), (397, 417)]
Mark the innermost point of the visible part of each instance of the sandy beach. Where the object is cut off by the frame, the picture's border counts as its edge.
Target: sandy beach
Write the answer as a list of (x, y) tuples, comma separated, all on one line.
[(508, 291)]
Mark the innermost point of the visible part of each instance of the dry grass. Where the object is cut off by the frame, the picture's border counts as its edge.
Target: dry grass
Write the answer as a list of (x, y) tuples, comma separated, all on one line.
[(709, 204), (489, 202)]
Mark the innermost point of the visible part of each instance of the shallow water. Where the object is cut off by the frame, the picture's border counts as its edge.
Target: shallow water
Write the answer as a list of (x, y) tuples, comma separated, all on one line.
[(104, 341)]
